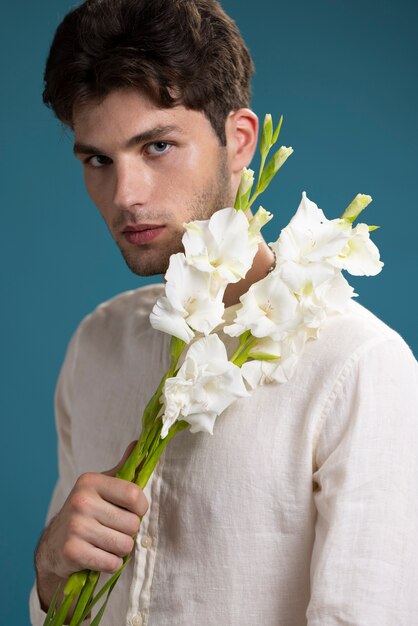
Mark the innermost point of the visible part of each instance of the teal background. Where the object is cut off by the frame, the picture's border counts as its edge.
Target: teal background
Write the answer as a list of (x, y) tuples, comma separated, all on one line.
[(343, 73)]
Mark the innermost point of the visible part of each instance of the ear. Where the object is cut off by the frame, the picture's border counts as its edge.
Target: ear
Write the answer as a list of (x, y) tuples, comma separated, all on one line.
[(241, 130)]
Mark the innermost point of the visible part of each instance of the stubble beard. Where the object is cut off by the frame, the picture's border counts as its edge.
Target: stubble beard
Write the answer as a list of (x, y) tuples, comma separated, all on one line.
[(217, 194)]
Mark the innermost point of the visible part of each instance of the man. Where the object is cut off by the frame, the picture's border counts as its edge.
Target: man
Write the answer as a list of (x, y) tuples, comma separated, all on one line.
[(301, 509)]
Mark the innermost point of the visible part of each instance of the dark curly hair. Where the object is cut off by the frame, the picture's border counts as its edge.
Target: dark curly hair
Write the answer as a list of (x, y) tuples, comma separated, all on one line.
[(185, 52)]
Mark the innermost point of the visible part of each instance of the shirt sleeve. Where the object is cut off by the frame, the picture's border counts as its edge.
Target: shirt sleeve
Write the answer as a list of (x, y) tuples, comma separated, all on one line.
[(364, 569), (67, 474)]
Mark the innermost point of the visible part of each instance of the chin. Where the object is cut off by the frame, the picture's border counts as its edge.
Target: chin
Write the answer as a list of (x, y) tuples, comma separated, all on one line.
[(146, 266)]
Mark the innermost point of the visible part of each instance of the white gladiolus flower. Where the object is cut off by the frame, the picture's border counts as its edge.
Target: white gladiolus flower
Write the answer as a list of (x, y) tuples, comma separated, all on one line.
[(256, 223), (281, 369), (164, 317), (205, 385), (360, 256), (188, 304), (222, 246), (315, 305), (310, 237), (247, 181), (303, 278), (268, 309), (320, 290), (335, 294)]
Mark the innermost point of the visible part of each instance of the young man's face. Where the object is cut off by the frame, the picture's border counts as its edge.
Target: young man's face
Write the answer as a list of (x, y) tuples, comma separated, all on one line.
[(149, 170)]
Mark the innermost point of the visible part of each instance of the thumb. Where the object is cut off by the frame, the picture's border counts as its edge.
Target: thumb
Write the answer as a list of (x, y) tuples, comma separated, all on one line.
[(117, 467)]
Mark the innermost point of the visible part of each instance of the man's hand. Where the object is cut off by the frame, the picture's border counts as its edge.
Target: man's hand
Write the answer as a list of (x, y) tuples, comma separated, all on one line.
[(93, 530)]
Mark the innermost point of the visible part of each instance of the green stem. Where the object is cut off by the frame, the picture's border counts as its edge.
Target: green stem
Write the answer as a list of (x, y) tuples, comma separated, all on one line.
[(84, 598), (72, 589), (246, 342), (243, 357), (257, 191), (138, 454), (152, 443), (262, 163), (107, 586), (152, 459)]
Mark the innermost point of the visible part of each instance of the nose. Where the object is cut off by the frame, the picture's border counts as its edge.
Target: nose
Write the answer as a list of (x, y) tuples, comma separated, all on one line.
[(132, 183)]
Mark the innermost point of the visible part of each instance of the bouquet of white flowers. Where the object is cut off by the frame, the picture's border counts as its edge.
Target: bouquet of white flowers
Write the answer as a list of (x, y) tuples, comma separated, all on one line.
[(272, 323)]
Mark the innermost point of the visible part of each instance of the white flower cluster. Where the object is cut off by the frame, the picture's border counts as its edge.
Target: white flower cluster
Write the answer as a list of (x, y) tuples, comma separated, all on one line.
[(217, 252), (276, 316), (291, 304)]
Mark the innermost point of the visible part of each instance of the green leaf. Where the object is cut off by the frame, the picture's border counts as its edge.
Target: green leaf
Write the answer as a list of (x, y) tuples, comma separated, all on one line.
[(51, 609), (99, 615), (277, 131), (373, 228), (107, 586), (263, 356), (176, 348)]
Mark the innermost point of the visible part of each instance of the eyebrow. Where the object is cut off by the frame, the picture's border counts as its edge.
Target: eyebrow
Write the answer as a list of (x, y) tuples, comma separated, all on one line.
[(148, 135)]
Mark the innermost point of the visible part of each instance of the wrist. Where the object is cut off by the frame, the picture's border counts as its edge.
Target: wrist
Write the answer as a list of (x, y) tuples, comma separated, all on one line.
[(46, 580)]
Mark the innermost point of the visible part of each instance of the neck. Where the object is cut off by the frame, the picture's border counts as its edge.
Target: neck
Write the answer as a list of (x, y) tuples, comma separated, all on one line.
[(263, 262)]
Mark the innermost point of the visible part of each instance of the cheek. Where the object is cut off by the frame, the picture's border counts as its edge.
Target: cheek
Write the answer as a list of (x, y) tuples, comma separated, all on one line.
[(191, 172)]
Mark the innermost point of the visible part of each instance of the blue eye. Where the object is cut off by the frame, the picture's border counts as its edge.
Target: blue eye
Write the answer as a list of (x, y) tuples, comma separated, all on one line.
[(98, 160), (158, 147)]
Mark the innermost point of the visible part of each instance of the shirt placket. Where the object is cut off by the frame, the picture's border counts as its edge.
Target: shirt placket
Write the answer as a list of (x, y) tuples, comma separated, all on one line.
[(145, 554)]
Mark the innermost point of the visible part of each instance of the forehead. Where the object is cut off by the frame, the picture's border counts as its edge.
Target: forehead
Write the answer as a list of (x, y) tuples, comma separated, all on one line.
[(124, 113)]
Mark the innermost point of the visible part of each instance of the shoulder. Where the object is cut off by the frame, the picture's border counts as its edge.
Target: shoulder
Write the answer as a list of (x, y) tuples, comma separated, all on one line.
[(355, 351), (116, 322), (370, 378), (128, 308), (350, 336)]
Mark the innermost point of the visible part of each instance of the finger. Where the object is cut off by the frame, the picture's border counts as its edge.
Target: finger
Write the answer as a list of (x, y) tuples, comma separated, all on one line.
[(94, 491), (109, 540), (80, 554), (119, 519), (123, 494), (91, 506)]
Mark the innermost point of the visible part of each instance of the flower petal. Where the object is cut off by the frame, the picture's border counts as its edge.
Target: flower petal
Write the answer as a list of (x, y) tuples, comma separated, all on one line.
[(205, 385), (360, 257), (165, 318)]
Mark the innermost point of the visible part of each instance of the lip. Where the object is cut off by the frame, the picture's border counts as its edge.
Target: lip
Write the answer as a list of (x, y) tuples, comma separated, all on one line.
[(138, 234)]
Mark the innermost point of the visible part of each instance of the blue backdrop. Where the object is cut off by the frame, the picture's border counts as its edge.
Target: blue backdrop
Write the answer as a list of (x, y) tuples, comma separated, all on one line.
[(343, 73)]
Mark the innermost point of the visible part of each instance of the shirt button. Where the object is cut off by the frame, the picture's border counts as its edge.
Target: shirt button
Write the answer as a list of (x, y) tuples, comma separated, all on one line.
[(137, 620), (146, 542)]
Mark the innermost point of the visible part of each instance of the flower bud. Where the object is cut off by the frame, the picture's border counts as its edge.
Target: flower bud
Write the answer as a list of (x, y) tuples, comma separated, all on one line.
[(244, 189), (247, 180), (273, 166), (281, 156), (257, 222), (356, 207), (266, 134)]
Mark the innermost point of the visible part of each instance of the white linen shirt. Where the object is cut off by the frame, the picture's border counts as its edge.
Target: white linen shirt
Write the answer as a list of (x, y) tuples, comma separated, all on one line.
[(301, 509)]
